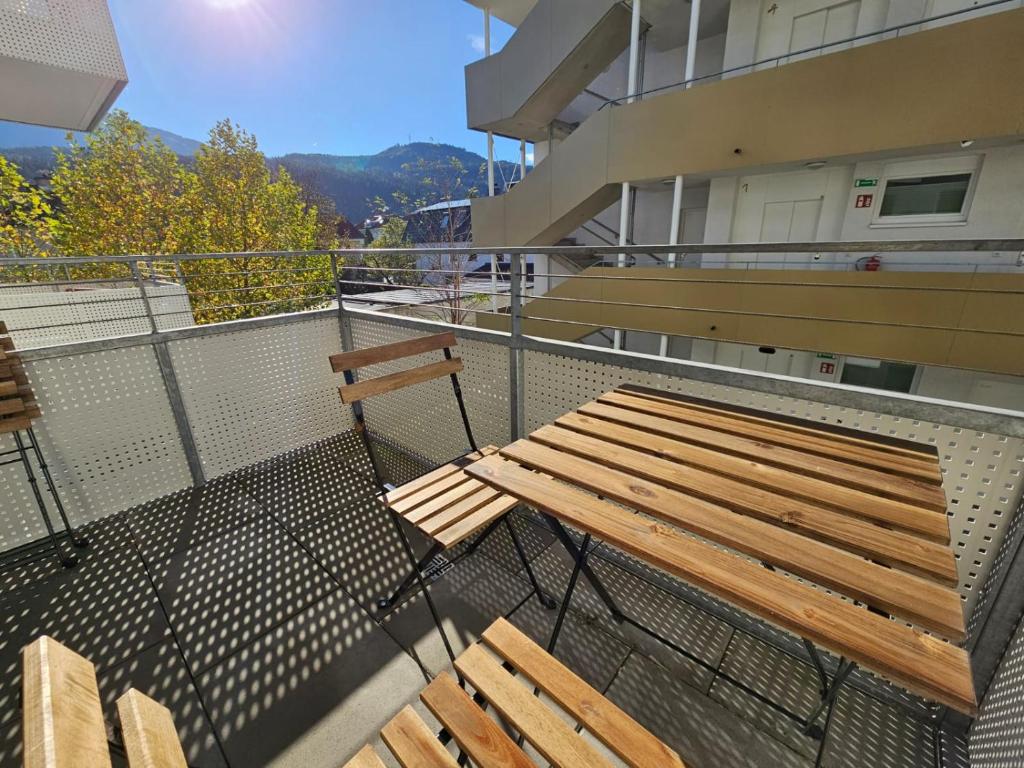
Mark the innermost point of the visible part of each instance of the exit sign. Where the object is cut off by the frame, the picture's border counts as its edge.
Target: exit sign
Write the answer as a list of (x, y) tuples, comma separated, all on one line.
[(866, 183), (864, 201)]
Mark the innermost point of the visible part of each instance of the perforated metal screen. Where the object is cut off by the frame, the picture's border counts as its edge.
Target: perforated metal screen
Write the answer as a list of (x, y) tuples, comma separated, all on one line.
[(997, 738), (107, 433), (69, 34)]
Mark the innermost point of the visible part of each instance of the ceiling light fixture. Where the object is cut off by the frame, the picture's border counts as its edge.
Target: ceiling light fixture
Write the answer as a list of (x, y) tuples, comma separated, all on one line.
[(815, 164)]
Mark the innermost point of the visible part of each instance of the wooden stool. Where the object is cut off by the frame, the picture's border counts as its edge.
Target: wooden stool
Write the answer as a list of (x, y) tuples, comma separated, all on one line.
[(18, 409)]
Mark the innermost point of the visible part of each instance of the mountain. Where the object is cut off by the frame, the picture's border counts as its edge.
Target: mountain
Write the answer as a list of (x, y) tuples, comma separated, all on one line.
[(351, 181)]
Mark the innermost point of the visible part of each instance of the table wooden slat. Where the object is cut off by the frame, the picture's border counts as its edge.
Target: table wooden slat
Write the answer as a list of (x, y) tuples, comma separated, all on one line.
[(552, 736), (853, 501), (836, 472), (823, 444), (413, 744), (923, 664), (911, 597), (487, 745), (895, 548), (629, 740), (865, 440)]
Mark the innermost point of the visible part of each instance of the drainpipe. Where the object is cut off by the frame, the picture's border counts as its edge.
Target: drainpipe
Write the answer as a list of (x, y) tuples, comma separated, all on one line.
[(522, 159), (677, 189), (631, 88), (490, 167)]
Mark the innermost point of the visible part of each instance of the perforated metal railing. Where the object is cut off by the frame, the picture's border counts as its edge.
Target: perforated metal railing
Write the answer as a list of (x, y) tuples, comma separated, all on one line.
[(136, 416)]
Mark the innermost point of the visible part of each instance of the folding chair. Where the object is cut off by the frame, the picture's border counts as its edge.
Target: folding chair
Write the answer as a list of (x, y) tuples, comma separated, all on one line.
[(445, 504)]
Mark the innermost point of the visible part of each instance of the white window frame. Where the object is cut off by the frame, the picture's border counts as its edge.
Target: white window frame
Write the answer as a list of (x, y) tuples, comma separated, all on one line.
[(912, 169)]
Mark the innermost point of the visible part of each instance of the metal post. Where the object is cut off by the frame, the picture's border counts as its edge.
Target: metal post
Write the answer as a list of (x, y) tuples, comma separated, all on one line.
[(344, 324), (178, 410), (522, 159), (677, 189), (494, 282), (631, 88), (515, 351), (490, 134), (141, 285)]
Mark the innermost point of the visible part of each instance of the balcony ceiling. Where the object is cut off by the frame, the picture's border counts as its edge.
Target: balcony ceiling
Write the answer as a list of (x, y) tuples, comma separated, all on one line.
[(510, 11)]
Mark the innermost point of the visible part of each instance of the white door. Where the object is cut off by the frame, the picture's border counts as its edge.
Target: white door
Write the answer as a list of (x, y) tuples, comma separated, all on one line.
[(800, 24), (779, 207)]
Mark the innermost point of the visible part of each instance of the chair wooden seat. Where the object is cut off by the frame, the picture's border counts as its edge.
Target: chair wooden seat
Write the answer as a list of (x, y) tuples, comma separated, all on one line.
[(505, 669), (18, 406), (446, 504)]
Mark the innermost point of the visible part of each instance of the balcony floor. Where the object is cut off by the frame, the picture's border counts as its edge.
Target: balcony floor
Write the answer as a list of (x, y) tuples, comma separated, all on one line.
[(246, 607)]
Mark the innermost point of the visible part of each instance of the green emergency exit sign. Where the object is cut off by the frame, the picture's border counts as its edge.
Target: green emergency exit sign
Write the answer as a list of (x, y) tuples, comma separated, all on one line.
[(866, 183)]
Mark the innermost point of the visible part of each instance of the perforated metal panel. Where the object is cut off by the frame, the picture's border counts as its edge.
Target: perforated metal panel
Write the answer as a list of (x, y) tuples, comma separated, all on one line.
[(997, 737), (107, 433), (39, 318), (69, 34), (256, 393), (425, 419), (983, 473)]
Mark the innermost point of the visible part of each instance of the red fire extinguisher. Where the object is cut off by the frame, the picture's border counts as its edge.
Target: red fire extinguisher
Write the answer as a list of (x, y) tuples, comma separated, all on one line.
[(872, 264)]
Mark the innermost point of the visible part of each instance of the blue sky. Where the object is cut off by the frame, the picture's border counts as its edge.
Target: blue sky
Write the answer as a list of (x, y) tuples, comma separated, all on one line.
[(336, 76)]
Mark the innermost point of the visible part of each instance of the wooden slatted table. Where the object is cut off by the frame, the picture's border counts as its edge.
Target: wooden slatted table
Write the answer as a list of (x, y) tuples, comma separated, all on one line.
[(860, 515)]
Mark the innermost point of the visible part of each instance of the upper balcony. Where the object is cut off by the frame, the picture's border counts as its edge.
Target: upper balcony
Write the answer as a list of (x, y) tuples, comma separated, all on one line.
[(892, 98), (60, 63), (238, 549)]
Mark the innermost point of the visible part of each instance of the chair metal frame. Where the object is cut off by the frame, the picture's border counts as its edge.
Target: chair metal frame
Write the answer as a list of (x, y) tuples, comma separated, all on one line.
[(421, 571)]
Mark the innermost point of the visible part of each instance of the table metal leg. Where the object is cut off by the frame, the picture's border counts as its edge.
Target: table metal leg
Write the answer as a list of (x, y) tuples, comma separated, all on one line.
[(546, 601), (570, 546), (581, 557), (69, 560), (76, 538)]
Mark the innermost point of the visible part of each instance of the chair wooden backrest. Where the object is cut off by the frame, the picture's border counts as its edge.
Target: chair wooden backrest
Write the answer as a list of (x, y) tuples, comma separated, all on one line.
[(353, 392), (18, 405), (62, 716), (349, 362)]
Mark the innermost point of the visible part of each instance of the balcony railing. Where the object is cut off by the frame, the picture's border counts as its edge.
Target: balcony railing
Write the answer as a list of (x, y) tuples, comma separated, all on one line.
[(153, 402)]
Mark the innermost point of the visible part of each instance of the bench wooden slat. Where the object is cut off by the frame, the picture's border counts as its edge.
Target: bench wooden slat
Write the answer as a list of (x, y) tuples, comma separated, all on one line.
[(848, 500), (739, 421), (892, 547), (922, 664), (552, 736), (836, 472), (365, 758), (487, 745), (919, 600), (150, 738), (437, 523), (470, 524), (413, 744), (629, 740), (361, 390), (62, 717), (453, 495), (433, 476), (350, 361)]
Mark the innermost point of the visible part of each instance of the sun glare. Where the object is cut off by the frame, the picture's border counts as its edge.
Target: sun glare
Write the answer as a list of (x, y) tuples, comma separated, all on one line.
[(227, 3)]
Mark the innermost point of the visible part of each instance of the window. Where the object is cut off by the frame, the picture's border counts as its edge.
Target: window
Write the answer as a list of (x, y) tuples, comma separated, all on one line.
[(926, 192), (926, 195), (878, 374)]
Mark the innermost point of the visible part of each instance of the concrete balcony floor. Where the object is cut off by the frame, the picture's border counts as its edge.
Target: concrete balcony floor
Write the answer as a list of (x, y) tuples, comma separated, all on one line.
[(246, 606)]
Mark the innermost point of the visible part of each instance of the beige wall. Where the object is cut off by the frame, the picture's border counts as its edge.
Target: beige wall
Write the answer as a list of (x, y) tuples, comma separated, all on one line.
[(899, 96), (962, 320)]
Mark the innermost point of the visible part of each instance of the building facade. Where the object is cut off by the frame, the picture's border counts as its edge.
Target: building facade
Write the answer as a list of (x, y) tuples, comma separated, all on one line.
[(774, 121)]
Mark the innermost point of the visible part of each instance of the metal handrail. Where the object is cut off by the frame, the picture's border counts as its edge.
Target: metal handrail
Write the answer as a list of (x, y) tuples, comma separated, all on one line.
[(816, 48), (951, 245)]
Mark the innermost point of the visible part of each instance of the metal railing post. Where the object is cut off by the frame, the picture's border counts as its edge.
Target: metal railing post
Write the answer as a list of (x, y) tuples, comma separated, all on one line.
[(344, 323), (516, 368), (170, 379)]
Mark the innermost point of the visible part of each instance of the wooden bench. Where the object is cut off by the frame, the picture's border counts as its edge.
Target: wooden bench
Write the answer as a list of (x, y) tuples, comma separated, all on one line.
[(505, 670), (863, 517), (62, 717)]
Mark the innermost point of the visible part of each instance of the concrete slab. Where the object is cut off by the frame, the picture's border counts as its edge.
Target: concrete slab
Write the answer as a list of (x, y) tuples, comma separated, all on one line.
[(706, 734), (469, 597), (226, 592), (312, 691)]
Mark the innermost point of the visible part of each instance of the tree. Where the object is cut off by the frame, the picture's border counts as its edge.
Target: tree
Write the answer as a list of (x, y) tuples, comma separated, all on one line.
[(119, 193), (26, 217), (235, 205)]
